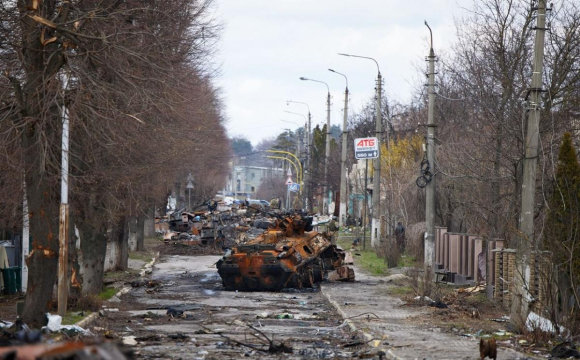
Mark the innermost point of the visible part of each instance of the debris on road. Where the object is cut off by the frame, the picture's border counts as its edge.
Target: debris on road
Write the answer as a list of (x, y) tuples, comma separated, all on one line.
[(487, 348), (288, 255), (66, 350)]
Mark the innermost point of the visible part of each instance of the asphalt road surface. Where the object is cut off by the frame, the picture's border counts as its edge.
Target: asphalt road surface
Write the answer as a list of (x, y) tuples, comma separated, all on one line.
[(186, 314)]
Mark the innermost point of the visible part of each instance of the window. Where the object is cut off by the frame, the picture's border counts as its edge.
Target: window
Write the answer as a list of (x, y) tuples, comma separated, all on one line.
[(238, 186)]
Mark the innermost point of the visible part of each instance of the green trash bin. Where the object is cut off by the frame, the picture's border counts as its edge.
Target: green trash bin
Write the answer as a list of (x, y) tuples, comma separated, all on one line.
[(9, 276)]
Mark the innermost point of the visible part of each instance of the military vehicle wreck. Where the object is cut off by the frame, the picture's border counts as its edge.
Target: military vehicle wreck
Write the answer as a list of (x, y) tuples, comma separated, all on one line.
[(288, 255)]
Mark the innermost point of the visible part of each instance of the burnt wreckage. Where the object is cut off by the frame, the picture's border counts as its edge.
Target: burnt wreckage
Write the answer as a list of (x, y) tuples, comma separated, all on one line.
[(288, 255)]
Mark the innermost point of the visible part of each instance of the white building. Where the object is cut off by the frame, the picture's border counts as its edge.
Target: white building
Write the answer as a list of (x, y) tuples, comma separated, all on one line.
[(244, 180)]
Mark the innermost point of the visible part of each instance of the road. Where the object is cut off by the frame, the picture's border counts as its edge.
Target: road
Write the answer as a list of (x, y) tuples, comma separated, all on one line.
[(215, 323)]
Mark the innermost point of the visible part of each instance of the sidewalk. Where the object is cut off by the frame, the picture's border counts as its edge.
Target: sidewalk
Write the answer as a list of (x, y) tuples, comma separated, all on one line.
[(402, 338)]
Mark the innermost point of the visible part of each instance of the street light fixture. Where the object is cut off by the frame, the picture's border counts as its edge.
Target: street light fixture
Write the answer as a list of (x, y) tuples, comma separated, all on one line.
[(376, 214), (289, 122), (325, 200), (342, 209)]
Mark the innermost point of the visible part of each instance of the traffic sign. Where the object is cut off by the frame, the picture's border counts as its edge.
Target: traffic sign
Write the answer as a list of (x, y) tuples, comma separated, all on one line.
[(294, 187), (189, 185), (289, 181), (366, 148)]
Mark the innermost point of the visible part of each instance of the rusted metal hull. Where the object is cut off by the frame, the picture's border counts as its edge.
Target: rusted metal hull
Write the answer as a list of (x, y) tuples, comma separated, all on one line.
[(284, 257)]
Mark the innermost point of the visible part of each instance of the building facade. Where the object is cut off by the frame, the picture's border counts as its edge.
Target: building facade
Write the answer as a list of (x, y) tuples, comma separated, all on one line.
[(244, 180)]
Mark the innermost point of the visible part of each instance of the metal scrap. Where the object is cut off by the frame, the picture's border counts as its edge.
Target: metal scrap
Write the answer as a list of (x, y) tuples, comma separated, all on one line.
[(288, 255)]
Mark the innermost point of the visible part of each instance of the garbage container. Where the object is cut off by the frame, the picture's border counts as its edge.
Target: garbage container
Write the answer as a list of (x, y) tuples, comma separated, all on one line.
[(9, 276)]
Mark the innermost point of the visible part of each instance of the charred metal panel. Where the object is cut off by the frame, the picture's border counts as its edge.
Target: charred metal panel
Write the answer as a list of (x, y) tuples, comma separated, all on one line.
[(290, 255)]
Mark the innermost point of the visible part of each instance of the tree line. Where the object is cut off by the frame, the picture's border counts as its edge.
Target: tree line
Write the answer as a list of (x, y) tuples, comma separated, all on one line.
[(135, 78)]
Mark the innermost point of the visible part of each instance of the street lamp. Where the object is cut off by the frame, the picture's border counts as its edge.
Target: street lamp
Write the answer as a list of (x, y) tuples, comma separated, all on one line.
[(289, 122), (189, 187), (307, 145), (376, 215), (325, 200), (342, 211)]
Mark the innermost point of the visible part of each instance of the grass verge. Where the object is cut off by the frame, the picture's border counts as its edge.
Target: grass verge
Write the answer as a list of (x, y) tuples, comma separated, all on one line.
[(107, 293), (366, 259), (406, 261), (141, 255), (73, 317)]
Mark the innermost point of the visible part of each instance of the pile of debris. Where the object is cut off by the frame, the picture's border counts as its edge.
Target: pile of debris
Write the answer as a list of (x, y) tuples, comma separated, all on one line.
[(290, 254), (193, 228), (18, 341)]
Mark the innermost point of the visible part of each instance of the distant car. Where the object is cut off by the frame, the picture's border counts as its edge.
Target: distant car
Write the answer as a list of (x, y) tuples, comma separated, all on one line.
[(228, 200), (257, 202), (265, 203)]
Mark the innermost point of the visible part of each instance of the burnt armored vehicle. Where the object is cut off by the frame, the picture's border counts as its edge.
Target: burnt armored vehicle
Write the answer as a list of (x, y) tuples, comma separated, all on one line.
[(288, 255)]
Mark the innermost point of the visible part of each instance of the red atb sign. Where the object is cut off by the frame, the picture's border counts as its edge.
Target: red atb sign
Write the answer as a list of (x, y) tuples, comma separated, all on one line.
[(366, 148)]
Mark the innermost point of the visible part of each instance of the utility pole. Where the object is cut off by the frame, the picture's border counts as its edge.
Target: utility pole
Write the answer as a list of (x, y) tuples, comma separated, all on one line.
[(288, 182), (308, 151), (527, 241), (308, 203), (376, 213), (343, 185), (325, 187), (63, 220), (325, 201), (189, 187), (366, 205), (430, 188), (376, 200), (25, 238)]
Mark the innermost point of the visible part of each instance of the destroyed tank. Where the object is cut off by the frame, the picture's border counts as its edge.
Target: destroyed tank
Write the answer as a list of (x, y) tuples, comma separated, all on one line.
[(288, 255)]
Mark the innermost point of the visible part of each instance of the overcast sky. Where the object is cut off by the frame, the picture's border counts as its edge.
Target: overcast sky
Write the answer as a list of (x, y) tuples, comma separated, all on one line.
[(267, 45)]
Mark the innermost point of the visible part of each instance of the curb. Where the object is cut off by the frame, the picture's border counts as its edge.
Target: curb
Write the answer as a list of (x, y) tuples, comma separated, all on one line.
[(349, 322), (86, 321), (390, 355), (147, 269)]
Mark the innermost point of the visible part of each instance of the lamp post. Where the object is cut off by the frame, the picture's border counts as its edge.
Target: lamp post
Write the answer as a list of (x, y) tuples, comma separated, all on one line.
[(430, 188), (189, 187), (63, 220), (342, 212), (325, 198), (308, 145), (376, 213)]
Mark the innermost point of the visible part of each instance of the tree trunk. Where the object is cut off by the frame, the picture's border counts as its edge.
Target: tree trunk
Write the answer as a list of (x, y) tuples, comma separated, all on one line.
[(41, 129), (178, 202), (43, 259), (75, 283), (121, 244), (132, 233), (495, 226), (141, 232), (93, 249), (149, 224)]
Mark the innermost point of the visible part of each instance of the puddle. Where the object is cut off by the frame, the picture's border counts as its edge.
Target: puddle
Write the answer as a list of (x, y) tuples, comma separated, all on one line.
[(210, 276), (208, 292)]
